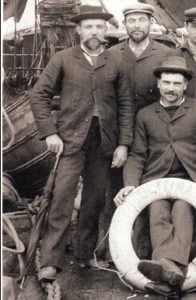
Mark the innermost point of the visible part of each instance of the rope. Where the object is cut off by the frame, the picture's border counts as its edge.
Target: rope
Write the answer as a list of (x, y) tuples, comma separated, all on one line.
[(52, 289), (12, 132), (120, 275), (10, 230)]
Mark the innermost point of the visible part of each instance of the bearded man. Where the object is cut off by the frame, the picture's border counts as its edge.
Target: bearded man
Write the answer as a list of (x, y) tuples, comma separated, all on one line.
[(138, 55), (93, 131)]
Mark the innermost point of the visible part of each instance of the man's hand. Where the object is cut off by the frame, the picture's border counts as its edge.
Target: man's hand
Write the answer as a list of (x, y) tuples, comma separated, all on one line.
[(54, 144), (120, 197), (119, 156)]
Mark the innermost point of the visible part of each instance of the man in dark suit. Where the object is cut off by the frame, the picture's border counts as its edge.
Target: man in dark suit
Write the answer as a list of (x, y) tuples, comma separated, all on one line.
[(164, 146), (138, 55), (188, 49), (93, 131)]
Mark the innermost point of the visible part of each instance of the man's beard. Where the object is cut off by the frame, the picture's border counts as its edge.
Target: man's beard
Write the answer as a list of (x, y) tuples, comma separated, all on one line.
[(94, 43), (137, 38)]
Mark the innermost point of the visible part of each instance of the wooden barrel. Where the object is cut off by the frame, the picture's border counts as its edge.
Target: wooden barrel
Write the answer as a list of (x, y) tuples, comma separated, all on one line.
[(27, 160), (11, 197)]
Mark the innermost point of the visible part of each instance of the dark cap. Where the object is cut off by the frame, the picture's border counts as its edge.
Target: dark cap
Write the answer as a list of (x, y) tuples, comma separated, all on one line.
[(138, 7), (190, 14), (173, 64), (90, 12)]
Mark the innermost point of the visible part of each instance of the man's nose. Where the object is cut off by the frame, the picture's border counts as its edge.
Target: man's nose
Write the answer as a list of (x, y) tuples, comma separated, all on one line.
[(171, 87), (137, 24), (94, 30)]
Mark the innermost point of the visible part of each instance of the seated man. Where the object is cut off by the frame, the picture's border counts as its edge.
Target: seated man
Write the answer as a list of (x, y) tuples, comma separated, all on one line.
[(165, 146)]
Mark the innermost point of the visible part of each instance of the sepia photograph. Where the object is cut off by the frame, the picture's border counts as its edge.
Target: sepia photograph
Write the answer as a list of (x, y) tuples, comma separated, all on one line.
[(98, 172)]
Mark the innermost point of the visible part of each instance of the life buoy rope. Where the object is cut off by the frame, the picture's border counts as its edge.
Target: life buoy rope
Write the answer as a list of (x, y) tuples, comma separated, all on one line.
[(121, 228)]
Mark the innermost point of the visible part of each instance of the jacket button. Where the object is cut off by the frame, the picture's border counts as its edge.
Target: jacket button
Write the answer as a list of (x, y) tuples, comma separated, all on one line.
[(76, 134), (86, 120)]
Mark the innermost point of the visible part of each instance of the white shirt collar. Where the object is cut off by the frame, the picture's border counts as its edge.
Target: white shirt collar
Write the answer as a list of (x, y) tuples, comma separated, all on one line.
[(161, 102), (141, 46), (88, 55)]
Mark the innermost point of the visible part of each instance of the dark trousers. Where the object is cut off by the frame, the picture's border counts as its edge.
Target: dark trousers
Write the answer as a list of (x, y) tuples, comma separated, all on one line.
[(115, 183), (91, 162), (171, 230)]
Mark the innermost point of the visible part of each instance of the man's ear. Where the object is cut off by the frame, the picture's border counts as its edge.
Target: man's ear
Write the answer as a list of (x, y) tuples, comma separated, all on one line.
[(151, 20), (78, 29), (185, 84), (158, 83)]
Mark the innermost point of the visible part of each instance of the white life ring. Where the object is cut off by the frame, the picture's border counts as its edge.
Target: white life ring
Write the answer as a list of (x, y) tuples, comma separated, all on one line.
[(121, 228)]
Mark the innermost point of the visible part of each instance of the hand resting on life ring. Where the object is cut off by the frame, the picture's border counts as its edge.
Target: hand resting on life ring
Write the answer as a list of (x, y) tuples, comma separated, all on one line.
[(121, 228)]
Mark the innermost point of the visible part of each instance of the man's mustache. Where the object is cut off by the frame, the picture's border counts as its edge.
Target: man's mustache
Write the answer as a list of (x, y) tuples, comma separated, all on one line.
[(170, 93), (99, 38)]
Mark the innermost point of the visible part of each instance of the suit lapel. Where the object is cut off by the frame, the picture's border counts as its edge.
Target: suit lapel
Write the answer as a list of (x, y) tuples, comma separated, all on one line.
[(101, 60), (148, 51), (180, 112), (81, 59), (131, 56), (126, 51), (163, 115)]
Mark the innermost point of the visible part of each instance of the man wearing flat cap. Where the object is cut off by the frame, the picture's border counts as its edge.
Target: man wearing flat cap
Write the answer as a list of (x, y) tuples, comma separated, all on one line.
[(140, 53), (92, 133), (137, 55), (188, 49), (164, 146)]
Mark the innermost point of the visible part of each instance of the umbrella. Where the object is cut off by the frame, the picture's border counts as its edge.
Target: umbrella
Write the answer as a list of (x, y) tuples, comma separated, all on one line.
[(39, 221)]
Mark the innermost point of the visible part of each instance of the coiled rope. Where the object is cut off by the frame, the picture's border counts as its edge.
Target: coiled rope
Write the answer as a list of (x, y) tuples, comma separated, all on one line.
[(20, 248), (52, 289)]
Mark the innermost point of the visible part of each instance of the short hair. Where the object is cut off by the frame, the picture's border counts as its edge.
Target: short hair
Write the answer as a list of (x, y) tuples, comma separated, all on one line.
[(172, 72)]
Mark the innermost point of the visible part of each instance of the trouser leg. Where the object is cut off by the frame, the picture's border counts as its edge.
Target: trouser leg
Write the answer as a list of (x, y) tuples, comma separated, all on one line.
[(171, 226), (95, 176), (182, 216), (115, 183), (53, 242)]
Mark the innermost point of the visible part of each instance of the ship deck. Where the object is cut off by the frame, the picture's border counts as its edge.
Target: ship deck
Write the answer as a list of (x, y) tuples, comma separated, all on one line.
[(77, 284)]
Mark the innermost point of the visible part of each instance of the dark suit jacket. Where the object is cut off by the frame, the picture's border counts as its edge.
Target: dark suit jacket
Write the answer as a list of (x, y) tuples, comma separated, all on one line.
[(80, 86), (143, 84), (184, 51), (158, 138)]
